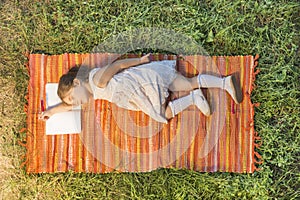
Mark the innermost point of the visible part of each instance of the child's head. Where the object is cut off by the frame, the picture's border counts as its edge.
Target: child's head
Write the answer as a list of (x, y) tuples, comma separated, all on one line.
[(76, 76)]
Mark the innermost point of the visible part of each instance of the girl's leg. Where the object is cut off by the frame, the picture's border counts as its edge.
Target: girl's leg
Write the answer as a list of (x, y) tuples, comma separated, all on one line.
[(168, 113), (194, 98), (227, 83), (182, 83)]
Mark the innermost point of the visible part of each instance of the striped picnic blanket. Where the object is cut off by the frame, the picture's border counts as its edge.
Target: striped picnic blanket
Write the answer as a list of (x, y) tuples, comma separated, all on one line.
[(114, 139)]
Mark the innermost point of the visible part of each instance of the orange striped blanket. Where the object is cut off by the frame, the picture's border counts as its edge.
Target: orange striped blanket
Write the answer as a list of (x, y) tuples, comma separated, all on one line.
[(114, 139)]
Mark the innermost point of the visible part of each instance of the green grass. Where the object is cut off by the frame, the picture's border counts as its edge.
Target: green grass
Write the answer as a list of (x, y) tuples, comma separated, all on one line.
[(269, 28)]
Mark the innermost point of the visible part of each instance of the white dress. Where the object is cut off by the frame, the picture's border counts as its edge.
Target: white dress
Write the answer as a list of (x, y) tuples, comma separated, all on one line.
[(140, 88)]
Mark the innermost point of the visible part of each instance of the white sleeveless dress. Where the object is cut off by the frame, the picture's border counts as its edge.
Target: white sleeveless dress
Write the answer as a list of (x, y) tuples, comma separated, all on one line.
[(140, 88)]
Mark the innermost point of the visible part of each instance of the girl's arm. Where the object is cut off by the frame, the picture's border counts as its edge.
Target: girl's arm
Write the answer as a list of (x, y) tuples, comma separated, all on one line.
[(62, 107), (103, 76)]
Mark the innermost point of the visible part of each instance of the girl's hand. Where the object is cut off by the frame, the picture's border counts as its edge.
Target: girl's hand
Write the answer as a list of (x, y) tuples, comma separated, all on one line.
[(45, 115), (145, 58)]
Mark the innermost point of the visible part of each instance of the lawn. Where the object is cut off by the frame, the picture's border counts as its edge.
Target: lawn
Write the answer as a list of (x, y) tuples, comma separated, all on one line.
[(269, 28)]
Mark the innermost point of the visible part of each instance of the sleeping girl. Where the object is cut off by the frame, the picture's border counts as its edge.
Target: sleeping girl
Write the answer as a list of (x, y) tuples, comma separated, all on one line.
[(139, 85)]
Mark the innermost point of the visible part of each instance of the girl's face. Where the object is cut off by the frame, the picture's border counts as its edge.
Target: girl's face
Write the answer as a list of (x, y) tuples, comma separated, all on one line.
[(77, 95)]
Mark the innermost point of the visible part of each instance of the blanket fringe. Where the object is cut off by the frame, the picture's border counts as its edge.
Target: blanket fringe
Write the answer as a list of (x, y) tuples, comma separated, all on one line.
[(24, 157), (257, 141), (255, 72)]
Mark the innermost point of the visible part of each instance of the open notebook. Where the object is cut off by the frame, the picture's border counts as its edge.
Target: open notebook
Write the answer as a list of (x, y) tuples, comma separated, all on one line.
[(61, 123)]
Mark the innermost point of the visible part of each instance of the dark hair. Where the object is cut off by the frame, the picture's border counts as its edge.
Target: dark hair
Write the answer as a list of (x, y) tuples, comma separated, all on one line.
[(66, 80)]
